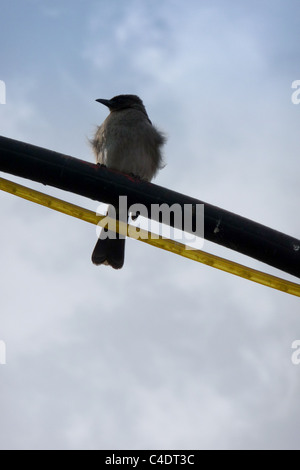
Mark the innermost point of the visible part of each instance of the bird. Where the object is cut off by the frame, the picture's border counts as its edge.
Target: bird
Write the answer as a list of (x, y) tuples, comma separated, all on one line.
[(126, 141)]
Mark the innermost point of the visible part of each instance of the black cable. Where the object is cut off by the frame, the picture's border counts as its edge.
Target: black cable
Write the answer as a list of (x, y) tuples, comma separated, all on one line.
[(101, 184)]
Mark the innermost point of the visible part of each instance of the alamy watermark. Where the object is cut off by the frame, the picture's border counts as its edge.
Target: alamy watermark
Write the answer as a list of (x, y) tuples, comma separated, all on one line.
[(183, 223), (296, 354), (296, 94), (2, 92), (2, 353)]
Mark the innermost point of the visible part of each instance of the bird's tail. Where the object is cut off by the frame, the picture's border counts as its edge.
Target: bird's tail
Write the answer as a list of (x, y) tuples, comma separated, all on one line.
[(109, 252), (110, 248)]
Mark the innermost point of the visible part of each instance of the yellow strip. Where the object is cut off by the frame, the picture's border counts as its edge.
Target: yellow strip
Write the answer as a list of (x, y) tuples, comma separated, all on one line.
[(152, 239)]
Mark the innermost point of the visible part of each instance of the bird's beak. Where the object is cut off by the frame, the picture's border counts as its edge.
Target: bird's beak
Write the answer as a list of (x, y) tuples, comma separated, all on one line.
[(105, 102)]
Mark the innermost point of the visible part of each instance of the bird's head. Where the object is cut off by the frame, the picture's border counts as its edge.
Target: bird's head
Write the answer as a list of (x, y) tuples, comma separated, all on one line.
[(120, 102)]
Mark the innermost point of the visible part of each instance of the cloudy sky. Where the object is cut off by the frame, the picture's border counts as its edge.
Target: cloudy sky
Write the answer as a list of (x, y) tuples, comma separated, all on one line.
[(166, 353)]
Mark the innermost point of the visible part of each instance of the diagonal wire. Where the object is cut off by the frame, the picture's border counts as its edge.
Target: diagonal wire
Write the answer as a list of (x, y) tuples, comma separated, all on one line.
[(150, 238)]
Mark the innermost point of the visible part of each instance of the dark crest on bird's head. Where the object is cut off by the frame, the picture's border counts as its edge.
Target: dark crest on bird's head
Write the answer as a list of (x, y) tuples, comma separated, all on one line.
[(126, 101)]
